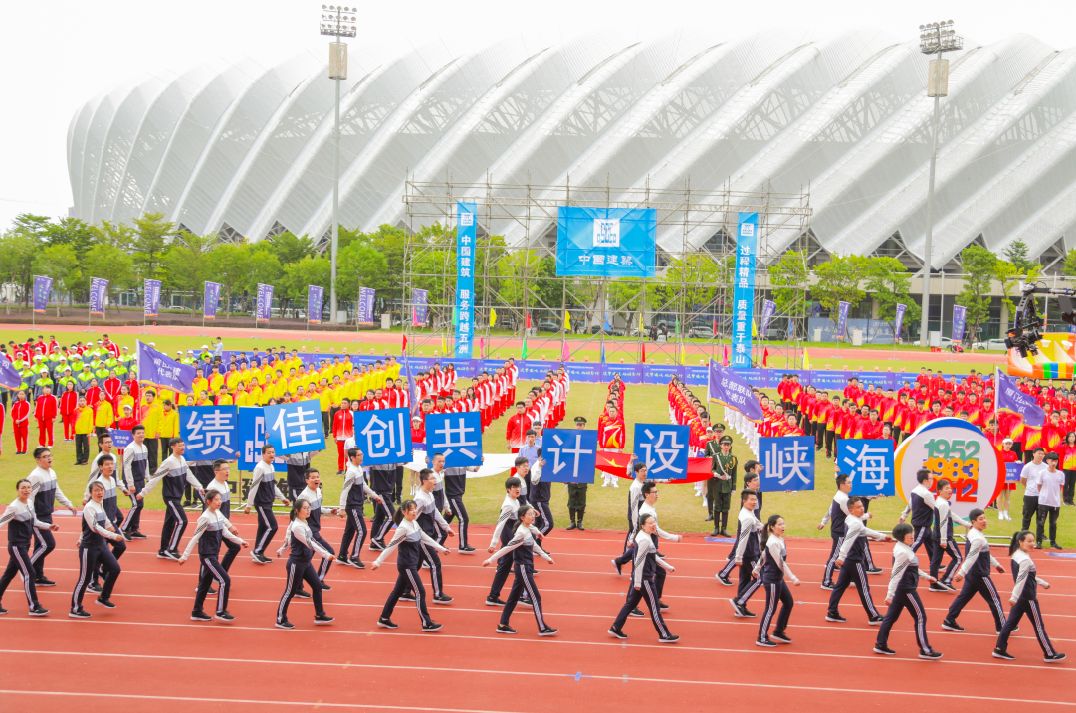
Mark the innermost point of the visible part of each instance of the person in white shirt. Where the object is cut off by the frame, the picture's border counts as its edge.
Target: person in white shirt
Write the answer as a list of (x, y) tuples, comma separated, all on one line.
[(901, 594), (1030, 475), (21, 521), (1025, 600), (1051, 481), (522, 547), (648, 507)]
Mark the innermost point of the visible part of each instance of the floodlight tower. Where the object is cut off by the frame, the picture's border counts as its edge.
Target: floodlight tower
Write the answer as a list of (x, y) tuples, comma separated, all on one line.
[(935, 39), (337, 21)]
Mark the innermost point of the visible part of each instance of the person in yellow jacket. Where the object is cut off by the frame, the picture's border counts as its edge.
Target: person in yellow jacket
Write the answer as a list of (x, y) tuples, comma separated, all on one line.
[(224, 397), (104, 417), (215, 381), (167, 425), (83, 429), (150, 416), (199, 384)]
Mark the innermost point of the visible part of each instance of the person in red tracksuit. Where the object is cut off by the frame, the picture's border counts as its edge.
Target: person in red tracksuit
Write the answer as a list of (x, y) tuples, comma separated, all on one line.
[(45, 410), (342, 429), (20, 422), (518, 424), (69, 410)]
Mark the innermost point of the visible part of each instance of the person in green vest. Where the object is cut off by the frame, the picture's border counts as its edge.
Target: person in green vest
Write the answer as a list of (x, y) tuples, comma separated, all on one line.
[(43, 381), (26, 375), (66, 378), (84, 378), (121, 371)]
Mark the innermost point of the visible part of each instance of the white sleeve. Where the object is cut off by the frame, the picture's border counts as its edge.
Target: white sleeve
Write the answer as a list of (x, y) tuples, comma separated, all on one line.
[(741, 543), (200, 527), (299, 534), (514, 543), (975, 546), (641, 551), (155, 478), (127, 475), (432, 542), (1022, 572), (349, 482), (850, 539), (506, 515), (900, 564), (397, 537), (255, 481)]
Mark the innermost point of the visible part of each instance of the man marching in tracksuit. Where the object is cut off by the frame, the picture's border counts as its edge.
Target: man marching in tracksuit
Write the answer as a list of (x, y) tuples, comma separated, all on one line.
[(850, 560), (921, 504), (836, 515), (746, 550), (135, 470)]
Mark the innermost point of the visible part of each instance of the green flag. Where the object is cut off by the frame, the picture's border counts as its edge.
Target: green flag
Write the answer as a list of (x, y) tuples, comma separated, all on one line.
[(523, 352)]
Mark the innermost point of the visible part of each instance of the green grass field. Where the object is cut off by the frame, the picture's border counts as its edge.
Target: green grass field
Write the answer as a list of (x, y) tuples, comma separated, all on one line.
[(680, 510)]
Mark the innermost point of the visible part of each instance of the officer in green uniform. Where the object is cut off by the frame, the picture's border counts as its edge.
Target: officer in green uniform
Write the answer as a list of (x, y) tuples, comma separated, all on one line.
[(719, 488), (577, 492)]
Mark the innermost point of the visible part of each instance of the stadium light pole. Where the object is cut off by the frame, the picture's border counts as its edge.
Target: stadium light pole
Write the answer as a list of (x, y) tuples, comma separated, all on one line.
[(935, 38), (337, 21)]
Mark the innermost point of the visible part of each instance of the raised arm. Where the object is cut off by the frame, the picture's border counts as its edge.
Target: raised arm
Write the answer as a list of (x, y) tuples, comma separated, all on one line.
[(162, 471), (513, 544), (397, 537)]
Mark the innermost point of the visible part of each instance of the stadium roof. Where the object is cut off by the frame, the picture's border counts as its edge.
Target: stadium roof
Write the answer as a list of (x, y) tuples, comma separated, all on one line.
[(247, 150)]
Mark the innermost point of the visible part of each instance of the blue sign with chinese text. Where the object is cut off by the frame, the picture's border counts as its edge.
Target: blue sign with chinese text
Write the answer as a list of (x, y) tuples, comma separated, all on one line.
[(209, 432), (295, 428), (663, 448), (458, 436), (869, 463), (743, 293), (570, 455), (383, 436), (466, 241), (787, 463), (606, 242)]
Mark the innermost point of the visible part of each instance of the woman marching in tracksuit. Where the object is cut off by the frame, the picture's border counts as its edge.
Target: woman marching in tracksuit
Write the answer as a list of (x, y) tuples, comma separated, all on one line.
[(645, 564), (502, 533), (352, 498), (943, 534), (303, 544), (92, 551), (975, 571), (210, 531), (21, 522), (771, 570), (1025, 600), (902, 595), (433, 524), (522, 547), (408, 537), (105, 466)]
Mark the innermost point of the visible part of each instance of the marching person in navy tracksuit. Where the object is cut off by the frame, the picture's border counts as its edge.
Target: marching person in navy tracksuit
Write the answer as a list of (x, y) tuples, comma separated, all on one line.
[(433, 524), (174, 472), (210, 531), (921, 505), (522, 547), (502, 534), (943, 534), (902, 594), (635, 499), (300, 538), (352, 497), (975, 571), (105, 466), (850, 559), (771, 570), (92, 551), (44, 492), (645, 564), (312, 494), (263, 493), (408, 537), (745, 552), (835, 516), (21, 522), (1025, 599)]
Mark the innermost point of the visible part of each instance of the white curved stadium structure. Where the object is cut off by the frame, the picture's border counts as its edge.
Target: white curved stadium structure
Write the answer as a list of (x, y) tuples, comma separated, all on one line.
[(247, 150)]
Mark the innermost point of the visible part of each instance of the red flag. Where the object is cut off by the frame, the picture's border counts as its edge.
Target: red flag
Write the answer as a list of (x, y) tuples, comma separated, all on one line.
[(644, 353), (528, 320), (765, 356), (614, 463), (725, 360), (715, 327), (403, 350)]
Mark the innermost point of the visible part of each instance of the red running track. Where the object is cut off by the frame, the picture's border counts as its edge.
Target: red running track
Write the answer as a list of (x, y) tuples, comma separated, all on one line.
[(147, 652)]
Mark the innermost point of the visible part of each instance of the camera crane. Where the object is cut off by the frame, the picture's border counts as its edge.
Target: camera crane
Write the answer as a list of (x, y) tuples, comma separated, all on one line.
[(1025, 331)]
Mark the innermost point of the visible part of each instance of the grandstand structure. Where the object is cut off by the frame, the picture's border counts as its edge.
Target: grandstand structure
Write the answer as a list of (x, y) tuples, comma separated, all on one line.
[(245, 150)]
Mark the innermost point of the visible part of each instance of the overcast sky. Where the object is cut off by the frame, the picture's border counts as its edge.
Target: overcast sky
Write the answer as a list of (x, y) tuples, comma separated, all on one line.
[(55, 55)]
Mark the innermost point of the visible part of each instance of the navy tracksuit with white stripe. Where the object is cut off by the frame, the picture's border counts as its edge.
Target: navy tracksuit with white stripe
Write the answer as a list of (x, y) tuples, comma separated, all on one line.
[(1025, 591)]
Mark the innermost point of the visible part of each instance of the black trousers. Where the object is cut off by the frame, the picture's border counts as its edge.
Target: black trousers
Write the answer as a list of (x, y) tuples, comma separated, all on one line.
[(1031, 509), (44, 543), (984, 587), (297, 571), (326, 562), (853, 573), (382, 520), (397, 491), (1046, 513), (267, 527), (134, 514), (430, 557), (746, 586), (504, 567), (230, 555), (165, 450), (296, 481), (646, 592), (407, 580), (82, 448), (1030, 607), (210, 571), (175, 522), (955, 558), (775, 592), (924, 537), (89, 559), (459, 510), (546, 516), (834, 549), (354, 533), (906, 599), (18, 562), (524, 582), (151, 453), (1069, 489)]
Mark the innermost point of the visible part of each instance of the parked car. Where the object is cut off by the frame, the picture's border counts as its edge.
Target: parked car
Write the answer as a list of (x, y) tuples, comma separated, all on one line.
[(549, 325), (992, 345), (613, 332)]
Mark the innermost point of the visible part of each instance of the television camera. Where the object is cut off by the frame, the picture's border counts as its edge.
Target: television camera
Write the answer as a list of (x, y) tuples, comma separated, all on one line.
[(1027, 324)]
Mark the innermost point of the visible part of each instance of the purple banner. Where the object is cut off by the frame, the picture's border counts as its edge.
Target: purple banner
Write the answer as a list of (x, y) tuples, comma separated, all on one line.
[(731, 388), (8, 376), (42, 290), (98, 287), (768, 307), (960, 317), (151, 297), (158, 369), (210, 300), (899, 321), (1011, 398), (420, 307), (315, 296), (265, 303), (366, 306), (842, 319)]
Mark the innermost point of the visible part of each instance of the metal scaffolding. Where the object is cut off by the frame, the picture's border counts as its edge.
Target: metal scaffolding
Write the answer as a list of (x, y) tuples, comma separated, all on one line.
[(685, 303)]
